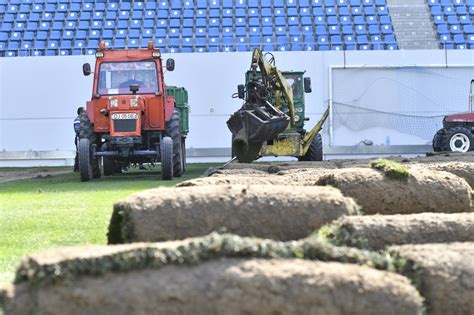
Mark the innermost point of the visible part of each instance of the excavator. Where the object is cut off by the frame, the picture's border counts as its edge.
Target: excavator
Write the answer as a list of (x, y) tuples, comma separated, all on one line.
[(271, 120)]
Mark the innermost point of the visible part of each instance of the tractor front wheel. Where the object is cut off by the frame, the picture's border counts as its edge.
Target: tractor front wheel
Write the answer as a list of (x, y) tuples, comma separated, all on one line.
[(166, 150), (459, 139), (315, 151), (85, 167)]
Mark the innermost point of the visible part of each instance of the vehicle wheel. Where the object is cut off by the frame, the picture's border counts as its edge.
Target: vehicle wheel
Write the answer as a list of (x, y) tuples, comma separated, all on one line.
[(85, 167), (109, 166), (173, 130), (458, 139), (166, 149), (95, 168), (87, 132), (315, 151), (438, 140)]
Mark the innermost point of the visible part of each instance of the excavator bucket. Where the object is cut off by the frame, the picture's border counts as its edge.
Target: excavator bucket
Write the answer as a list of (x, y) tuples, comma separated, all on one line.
[(252, 126)]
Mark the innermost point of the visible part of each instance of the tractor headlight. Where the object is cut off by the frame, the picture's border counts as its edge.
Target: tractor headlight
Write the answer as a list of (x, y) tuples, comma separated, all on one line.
[(134, 102), (297, 118), (156, 54), (99, 54), (113, 102)]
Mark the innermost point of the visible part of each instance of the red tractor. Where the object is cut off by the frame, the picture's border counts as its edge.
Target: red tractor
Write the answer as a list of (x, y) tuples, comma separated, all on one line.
[(133, 118), (457, 134)]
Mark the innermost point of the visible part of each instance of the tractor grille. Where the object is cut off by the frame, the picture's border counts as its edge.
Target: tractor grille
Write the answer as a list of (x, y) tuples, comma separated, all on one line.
[(125, 125)]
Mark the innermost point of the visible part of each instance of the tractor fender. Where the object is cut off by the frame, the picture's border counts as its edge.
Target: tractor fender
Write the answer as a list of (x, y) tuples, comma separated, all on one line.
[(169, 107), (90, 110)]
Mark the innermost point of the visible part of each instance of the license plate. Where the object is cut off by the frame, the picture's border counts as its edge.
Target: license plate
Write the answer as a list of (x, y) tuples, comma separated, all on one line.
[(125, 116)]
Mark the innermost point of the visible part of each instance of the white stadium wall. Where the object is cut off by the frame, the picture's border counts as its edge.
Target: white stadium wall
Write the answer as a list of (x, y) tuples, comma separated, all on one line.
[(39, 97)]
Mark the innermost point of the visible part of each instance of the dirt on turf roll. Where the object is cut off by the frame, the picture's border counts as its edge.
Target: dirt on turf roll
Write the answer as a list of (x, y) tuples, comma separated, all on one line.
[(275, 212), (461, 169), (253, 179), (421, 191), (275, 167), (239, 172), (444, 274), (380, 231), (227, 286)]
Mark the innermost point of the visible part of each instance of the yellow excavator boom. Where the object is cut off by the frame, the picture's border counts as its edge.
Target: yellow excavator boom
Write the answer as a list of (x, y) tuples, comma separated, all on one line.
[(271, 74)]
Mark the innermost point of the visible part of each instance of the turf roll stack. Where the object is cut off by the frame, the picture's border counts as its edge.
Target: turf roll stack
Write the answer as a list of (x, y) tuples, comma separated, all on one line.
[(444, 274), (418, 191), (380, 231), (275, 212), (210, 275)]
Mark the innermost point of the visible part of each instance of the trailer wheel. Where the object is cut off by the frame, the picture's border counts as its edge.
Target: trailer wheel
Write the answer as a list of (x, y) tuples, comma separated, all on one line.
[(315, 151), (438, 140), (459, 139), (95, 168), (173, 130), (166, 149), (109, 165), (183, 149), (85, 167)]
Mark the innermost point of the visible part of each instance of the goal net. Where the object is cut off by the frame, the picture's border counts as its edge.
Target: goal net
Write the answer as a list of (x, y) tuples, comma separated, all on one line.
[(395, 106)]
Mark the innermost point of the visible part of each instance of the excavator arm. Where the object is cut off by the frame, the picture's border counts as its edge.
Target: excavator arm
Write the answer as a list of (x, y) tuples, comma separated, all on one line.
[(276, 82), (260, 126)]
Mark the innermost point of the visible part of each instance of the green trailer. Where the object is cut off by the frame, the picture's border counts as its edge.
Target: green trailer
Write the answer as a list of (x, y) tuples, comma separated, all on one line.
[(181, 98)]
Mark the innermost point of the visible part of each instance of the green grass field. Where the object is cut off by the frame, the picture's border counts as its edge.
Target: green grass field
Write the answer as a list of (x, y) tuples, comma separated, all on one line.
[(57, 211)]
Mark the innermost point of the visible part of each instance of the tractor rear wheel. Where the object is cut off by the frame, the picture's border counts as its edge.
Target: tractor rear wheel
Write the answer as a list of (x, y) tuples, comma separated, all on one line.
[(458, 139), (109, 166), (173, 130), (85, 167), (166, 150), (438, 141), (315, 151)]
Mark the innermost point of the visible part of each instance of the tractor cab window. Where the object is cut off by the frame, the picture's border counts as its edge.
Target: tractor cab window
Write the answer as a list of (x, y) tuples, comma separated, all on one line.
[(116, 77), (296, 84)]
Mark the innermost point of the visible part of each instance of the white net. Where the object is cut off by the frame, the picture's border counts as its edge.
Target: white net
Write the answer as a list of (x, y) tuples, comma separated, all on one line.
[(396, 106)]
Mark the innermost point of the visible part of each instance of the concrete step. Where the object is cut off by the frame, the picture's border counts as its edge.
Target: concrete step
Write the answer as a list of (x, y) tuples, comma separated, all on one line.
[(412, 24)]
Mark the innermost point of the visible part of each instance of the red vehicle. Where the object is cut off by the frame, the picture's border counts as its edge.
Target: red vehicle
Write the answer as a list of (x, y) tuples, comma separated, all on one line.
[(457, 134), (131, 118)]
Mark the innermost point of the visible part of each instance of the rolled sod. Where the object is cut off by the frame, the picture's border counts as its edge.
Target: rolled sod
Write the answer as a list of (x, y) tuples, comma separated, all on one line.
[(444, 274), (379, 231), (274, 212), (421, 191), (141, 277), (226, 286), (462, 169)]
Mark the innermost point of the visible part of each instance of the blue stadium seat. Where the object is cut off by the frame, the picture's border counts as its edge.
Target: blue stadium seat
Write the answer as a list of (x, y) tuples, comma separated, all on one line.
[(225, 25)]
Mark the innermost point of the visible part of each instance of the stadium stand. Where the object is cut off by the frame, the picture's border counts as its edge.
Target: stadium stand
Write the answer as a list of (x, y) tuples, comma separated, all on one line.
[(59, 27), (453, 20)]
